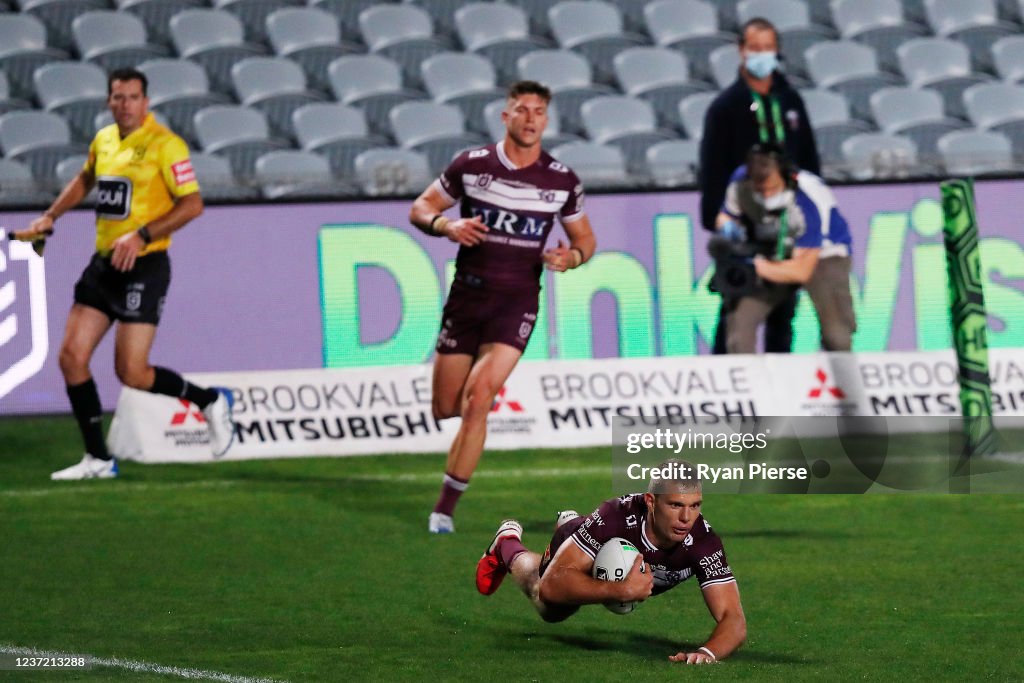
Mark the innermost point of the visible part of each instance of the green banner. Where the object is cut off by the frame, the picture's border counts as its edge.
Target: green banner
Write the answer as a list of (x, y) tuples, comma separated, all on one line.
[(967, 305)]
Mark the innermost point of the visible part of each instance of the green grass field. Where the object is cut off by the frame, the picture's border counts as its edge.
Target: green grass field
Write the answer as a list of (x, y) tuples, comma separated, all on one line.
[(322, 570)]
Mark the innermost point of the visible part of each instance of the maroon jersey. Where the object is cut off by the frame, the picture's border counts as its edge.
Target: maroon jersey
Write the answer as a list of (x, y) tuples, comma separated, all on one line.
[(519, 205), (701, 554)]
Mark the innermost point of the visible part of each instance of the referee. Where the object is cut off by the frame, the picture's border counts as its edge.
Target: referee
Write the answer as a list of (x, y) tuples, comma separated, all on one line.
[(146, 190)]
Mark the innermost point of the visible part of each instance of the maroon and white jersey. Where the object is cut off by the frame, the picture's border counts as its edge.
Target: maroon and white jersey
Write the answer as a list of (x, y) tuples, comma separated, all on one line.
[(701, 553), (519, 205)]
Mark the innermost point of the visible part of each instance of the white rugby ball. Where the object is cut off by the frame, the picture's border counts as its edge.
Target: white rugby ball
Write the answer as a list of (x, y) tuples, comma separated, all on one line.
[(613, 562)]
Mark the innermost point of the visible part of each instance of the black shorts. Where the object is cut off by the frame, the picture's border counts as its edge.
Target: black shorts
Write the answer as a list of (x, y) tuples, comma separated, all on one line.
[(474, 315), (133, 297)]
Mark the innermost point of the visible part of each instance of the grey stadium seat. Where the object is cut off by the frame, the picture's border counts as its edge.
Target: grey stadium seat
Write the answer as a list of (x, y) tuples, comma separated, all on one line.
[(437, 130), (297, 174), (829, 113), (338, 131), (217, 182), (213, 38), (442, 14), (673, 163), (849, 68), (156, 15), (974, 152), (274, 85), (18, 187), (570, 78), (877, 156), (942, 64), (658, 75), (75, 90), (692, 111), (917, 114), (240, 134), (594, 29), (598, 166), (537, 11), (1008, 57), (466, 80), (371, 82), (311, 37), (793, 21), (404, 33), (724, 64), (1000, 107), (58, 16), (113, 40), (347, 12), (878, 23), (390, 171), (499, 32), (8, 103), (975, 23), (253, 14), (178, 88), (23, 49), (553, 135), (67, 169), (39, 139), (690, 26), (626, 122)]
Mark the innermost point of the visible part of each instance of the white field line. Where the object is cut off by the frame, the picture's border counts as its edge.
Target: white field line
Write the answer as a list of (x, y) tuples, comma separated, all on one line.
[(136, 666)]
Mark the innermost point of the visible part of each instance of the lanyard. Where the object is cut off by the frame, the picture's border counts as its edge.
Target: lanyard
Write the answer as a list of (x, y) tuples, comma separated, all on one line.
[(762, 123), (780, 243)]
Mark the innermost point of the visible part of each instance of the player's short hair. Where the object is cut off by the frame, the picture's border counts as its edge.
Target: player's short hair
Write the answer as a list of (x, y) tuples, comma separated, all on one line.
[(761, 24), (674, 476), (529, 88), (127, 74)]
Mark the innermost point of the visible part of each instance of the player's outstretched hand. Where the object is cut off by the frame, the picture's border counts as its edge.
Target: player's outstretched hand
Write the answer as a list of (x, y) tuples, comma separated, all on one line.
[(559, 258), (126, 250), (639, 582), (697, 657), (466, 231)]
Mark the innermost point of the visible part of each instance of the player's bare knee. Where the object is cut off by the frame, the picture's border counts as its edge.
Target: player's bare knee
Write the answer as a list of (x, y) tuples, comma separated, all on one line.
[(134, 376), (442, 409), (73, 361)]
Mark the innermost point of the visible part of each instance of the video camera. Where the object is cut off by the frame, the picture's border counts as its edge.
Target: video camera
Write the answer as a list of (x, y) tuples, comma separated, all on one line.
[(735, 276)]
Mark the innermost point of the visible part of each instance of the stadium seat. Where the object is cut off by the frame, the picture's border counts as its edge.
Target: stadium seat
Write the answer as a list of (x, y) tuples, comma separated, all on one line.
[(658, 75), (76, 91), (793, 21), (878, 23), (1008, 57), (879, 156), (976, 152), (570, 78), (437, 130), (973, 22), (465, 80), (67, 169), (594, 29), (23, 49), (999, 107), (338, 131), (274, 85), (442, 14), (829, 113), (598, 166), (941, 64), (626, 122), (849, 68), (404, 33), (724, 64), (240, 134), (178, 88), (692, 110), (690, 26), (916, 114), (253, 14), (39, 139), (371, 82), (58, 16), (673, 163), (537, 11), (156, 15), (311, 37), (297, 174), (217, 182), (553, 135), (499, 32), (213, 38), (18, 187), (8, 103), (347, 12), (391, 171), (727, 15), (113, 40)]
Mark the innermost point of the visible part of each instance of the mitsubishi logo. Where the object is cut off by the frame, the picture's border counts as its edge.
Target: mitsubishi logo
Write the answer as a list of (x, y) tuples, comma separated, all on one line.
[(182, 417), (511, 404), (822, 387)]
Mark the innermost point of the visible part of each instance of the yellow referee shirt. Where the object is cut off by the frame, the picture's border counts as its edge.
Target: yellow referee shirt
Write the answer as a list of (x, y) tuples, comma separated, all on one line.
[(137, 180)]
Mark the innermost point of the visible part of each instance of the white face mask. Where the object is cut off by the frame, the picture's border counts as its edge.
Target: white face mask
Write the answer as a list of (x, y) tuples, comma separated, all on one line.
[(777, 201)]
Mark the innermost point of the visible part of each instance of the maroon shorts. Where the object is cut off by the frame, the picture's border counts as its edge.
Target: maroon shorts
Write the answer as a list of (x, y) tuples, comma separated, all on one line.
[(474, 316)]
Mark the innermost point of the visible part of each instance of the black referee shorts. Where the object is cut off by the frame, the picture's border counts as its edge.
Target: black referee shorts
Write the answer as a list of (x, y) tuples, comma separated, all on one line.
[(133, 297)]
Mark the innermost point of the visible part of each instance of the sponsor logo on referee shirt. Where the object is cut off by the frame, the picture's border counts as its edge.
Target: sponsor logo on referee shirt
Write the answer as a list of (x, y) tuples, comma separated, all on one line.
[(113, 197)]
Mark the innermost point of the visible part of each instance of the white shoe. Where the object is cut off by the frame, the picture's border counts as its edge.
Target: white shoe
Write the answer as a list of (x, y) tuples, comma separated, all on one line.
[(565, 516), (219, 422), (88, 468), (441, 524)]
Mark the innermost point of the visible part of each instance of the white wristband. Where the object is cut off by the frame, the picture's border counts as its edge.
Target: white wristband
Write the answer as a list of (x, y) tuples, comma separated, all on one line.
[(708, 652)]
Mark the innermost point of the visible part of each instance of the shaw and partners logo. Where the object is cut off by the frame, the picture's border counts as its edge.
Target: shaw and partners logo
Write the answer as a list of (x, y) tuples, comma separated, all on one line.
[(24, 341)]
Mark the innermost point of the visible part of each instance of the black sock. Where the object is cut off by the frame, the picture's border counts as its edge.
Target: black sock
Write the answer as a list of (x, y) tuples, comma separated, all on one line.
[(170, 383), (85, 404)]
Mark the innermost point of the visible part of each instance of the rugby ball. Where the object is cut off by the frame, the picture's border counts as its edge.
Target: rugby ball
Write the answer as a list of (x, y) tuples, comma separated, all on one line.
[(613, 563)]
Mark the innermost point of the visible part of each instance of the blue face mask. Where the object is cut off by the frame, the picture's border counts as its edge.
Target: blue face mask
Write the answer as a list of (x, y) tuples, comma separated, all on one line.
[(761, 64)]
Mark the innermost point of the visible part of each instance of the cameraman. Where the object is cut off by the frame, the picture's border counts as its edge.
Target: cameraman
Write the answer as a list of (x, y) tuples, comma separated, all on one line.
[(779, 229)]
